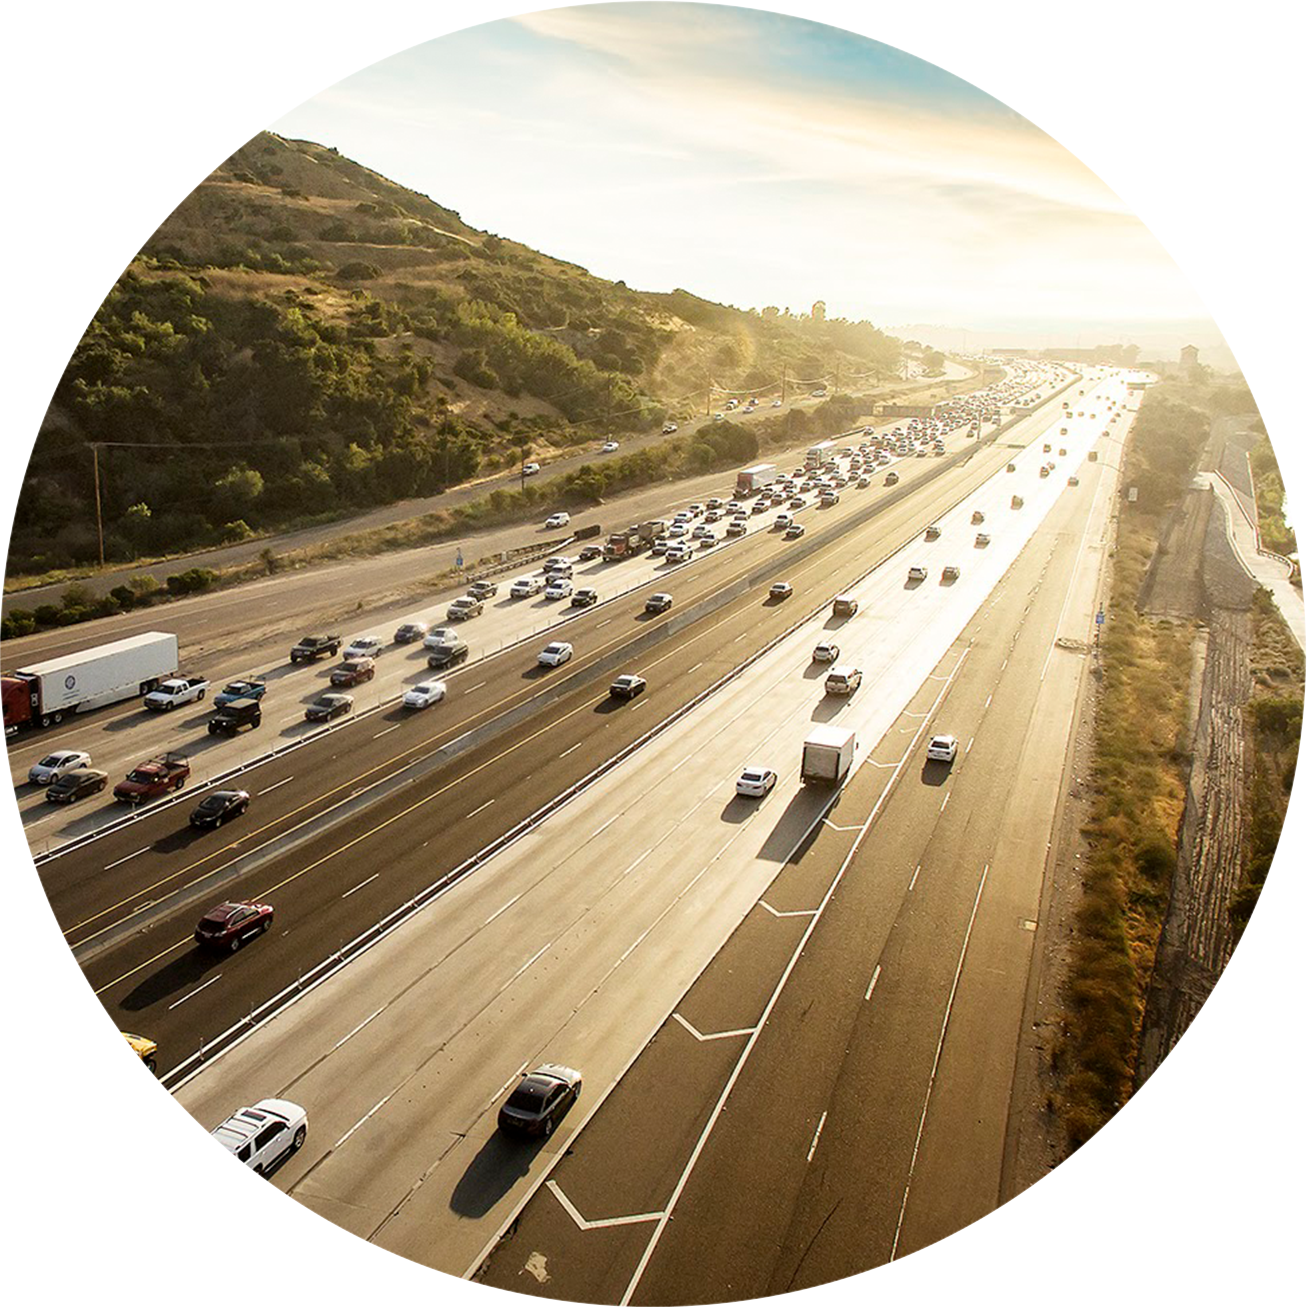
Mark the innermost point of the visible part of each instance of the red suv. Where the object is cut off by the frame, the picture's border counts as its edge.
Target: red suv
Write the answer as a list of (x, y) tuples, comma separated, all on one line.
[(230, 925)]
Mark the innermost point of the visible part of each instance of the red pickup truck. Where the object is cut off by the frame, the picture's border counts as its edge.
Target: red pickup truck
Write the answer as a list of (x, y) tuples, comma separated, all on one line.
[(148, 780)]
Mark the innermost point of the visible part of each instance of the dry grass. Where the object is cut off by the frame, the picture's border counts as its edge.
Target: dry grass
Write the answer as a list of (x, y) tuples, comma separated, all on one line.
[(1138, 798)]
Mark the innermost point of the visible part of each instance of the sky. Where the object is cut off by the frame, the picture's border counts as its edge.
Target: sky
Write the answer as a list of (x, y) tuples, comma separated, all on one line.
[(756, 159)]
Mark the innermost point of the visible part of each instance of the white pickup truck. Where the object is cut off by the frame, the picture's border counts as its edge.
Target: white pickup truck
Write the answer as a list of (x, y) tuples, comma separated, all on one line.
[(176, 690)]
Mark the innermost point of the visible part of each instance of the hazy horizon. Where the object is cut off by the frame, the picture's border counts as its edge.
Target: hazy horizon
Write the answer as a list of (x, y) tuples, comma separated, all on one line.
[(755, 159)]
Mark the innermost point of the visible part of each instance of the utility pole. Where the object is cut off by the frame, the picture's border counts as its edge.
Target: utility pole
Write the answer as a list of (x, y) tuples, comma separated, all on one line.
[(784, 380), (99, 521)]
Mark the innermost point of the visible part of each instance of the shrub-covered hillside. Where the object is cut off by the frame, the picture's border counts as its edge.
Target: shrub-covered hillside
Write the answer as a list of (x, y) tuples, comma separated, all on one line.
[(303, 337)]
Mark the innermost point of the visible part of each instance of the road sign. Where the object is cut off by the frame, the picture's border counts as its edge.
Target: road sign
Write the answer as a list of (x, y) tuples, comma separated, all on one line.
[(1100, 617), (458, 562)]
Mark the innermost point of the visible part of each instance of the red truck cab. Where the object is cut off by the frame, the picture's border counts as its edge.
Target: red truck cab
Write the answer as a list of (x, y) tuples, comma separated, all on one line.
[(149, 780)]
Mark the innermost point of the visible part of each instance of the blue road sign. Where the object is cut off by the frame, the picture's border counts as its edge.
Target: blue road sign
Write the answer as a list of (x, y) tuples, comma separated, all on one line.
[(458, 562), (1099, 617)]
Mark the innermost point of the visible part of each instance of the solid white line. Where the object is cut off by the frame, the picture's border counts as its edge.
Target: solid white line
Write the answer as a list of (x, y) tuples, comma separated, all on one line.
[(939, 1050), (816, 1136), (128, 858), (270, 788), (573, 749), (875, 976), (482, 808), (499, 911), (153, 1197), (360, 885), (195, 991)]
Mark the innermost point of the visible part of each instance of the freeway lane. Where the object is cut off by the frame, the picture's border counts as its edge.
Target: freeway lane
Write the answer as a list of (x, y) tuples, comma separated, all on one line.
[(825, 1161), (574, 944)]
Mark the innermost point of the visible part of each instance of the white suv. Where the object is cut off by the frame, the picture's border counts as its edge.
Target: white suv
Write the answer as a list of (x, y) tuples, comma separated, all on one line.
[(526, 586), (260, 1136)]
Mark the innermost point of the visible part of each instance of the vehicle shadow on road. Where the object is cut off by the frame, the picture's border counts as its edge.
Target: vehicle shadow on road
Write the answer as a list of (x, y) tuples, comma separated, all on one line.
[(166, 1244), (829, 707), (783, 842), (935, 773), (500, 1164), (177, 975)]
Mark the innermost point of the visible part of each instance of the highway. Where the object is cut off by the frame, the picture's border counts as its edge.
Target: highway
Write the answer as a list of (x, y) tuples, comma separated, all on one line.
[(578, 940), (250, 629)]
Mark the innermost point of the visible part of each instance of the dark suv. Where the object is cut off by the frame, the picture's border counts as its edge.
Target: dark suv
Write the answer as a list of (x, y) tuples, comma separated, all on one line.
[(447, 655), (231, 717)]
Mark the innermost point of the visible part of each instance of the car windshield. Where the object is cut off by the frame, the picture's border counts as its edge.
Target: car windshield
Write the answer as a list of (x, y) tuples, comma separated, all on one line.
[(213, 803), (553, 648), (52, 760)]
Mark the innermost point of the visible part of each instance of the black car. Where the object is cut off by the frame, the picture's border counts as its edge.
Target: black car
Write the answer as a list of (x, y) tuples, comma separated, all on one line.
[(411, 631), (540, 1100), (658, 603), (327, 706), (447, 655), (215, 808), (627, 686), (585, 597), (74, 785), (232, 716)]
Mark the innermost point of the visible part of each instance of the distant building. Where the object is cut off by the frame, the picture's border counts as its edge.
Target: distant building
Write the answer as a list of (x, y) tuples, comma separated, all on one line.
[(1189, 356), (819, 311)]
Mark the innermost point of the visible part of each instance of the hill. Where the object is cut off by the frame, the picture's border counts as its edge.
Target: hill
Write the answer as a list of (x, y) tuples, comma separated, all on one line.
[(303, 338)]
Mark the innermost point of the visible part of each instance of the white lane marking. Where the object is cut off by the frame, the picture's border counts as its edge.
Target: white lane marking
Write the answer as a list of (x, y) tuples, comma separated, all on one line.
[(827, 821), (360, 885), (944, 805), (989, 699), (477, 686), (573, 749), (912, 884), (720, 1034), (195, 991), (939, 1050), (346, 1038), (529, 963), (875, 976), (688, 670), (270, 788), (153, 1197), (500, 911), (762, 903), (583, 1224), (387, 731), (371, 1112), (482, 808), (603, 623), (816, 1136), (128, 858), (606, 825), (970, 742)]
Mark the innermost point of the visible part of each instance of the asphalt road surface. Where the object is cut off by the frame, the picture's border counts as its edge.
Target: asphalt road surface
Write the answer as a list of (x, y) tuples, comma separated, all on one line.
[(577, 942)]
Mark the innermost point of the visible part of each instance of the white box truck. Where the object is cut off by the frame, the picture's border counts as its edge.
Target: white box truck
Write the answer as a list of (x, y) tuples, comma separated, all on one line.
[(827, 755), (46, 693), (753, 479)]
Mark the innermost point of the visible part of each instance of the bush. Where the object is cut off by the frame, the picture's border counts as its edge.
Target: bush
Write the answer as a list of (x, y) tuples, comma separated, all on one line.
[(192, 581)]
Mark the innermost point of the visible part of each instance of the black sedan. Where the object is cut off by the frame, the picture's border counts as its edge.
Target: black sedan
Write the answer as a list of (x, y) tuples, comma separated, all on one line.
[(215, 808), (74, 785), (541, 1100), (328, 706)]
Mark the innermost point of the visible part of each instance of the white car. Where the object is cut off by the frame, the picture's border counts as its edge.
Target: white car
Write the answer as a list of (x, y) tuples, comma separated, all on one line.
[(556, 520), (755, 782), (559, 587), (783, 522), (679, 552), (424, 694), (526, 586), (609, 447), (56, 764), (363, 646), (555, 654), (701, 532), (826, 652), (260, 1136), (439, 637), (530, 469), (669, 427), (942, 748), (917, 573)]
